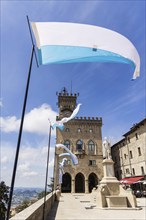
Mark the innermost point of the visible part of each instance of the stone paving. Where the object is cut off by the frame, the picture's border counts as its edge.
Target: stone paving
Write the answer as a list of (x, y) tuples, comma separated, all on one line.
[(79, 207)]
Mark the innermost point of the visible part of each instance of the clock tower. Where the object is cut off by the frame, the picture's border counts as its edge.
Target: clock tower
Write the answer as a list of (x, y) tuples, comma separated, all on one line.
[(66, 103), (83, 136)]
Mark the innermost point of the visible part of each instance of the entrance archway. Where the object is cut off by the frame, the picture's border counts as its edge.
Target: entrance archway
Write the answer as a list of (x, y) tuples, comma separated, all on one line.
[(92, 181), (79, 183), (66, 183)]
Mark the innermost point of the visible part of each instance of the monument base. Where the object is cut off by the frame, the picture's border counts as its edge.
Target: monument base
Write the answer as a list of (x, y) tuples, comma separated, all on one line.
[(110, 194)]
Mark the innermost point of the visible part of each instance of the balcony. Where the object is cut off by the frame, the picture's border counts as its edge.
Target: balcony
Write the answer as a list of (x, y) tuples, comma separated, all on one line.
[(79, 152), (91, 152)]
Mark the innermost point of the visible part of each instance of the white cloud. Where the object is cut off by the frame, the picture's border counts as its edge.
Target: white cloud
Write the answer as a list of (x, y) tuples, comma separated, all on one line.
[(9, 124), (36, 121), (25, 170), (31, 169), (30, 173), (23, 167), (4, 159)]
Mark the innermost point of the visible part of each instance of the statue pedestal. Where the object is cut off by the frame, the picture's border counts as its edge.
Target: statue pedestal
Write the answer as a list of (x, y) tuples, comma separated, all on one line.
[(110, 193), (108, 170), (109, 178)]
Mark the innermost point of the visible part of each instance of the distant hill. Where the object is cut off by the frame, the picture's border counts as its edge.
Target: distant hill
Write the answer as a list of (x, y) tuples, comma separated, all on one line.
[(20, 194)]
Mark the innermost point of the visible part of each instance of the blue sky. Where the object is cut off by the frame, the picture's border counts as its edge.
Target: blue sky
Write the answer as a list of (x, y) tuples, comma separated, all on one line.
[(106, 89)]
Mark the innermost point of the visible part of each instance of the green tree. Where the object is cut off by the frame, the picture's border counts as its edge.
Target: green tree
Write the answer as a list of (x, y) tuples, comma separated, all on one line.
[(4, 198), (42, 194), (51, 185), (23, 205)]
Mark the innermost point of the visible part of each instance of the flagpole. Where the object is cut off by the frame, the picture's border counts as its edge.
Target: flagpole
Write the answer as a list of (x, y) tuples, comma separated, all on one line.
[(47, 166), (19, 137)]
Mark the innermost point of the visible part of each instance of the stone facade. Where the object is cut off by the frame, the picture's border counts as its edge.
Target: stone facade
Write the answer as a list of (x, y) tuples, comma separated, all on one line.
[(83, 137), (129, 154)]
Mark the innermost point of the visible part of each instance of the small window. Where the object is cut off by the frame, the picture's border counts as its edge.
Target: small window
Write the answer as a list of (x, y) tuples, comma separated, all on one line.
[(67, 143), (123, 144), (131, 156), (127, 171), (142, 170), (139, 151), (125, 156), (133, 171), (128, 139), (92, 162), (136, 136), (67, 130)]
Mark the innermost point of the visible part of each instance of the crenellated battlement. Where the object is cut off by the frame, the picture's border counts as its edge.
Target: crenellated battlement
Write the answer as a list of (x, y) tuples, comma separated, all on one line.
[(68, 94), (99, 119), (89, 118), (65, 93)]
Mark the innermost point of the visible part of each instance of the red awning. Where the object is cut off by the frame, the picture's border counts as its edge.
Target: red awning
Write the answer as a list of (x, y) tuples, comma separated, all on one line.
[(131, 180)]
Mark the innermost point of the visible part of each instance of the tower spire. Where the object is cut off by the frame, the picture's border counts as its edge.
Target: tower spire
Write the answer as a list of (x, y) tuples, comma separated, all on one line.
[(71, 87)]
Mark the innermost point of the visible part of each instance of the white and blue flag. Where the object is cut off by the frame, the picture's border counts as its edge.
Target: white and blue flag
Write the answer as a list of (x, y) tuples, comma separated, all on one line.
[(69, 153), (60, 124), (60, 42)]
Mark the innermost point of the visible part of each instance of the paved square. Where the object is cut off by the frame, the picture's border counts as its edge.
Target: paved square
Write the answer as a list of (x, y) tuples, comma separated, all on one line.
[(79, 207)]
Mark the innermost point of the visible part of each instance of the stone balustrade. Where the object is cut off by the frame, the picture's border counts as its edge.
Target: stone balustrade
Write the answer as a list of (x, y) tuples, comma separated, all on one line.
[(35, 211)]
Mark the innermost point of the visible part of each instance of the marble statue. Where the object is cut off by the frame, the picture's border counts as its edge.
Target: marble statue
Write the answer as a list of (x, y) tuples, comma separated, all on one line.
[(106, 149)]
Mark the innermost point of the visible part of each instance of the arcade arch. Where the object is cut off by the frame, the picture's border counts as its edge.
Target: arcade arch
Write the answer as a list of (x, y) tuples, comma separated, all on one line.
[(92, 181), (79, 183), (66, 183)]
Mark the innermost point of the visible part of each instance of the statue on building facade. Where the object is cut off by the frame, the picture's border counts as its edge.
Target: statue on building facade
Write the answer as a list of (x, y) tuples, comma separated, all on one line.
[(106, 146)]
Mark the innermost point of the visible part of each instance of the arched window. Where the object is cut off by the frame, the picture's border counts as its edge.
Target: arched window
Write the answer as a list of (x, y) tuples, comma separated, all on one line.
[(91, 146), (67, 130), (79, 145), (67, 143)]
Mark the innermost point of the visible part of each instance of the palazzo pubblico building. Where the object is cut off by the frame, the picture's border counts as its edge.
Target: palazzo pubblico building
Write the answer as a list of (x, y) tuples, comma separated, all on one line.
[(83, 136)]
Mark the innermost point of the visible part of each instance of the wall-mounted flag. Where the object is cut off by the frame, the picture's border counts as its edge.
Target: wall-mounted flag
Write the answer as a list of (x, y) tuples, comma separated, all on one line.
[(60, 124), (69, 153), (73, 157), (61, 169)]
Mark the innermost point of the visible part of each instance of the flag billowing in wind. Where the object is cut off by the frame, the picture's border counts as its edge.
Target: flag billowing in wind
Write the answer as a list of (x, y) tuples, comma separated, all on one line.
[(73, 157), (60, 42), (69, 153), (60, 124), (61, 169)]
